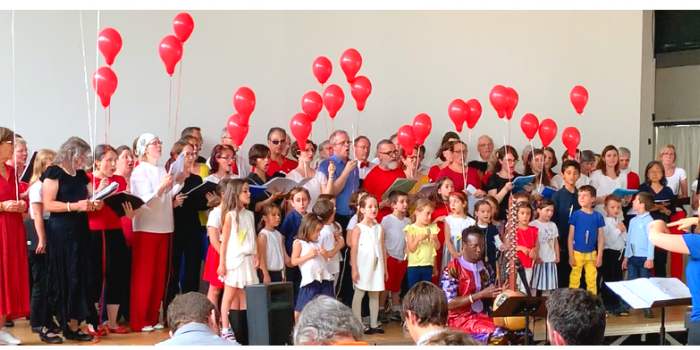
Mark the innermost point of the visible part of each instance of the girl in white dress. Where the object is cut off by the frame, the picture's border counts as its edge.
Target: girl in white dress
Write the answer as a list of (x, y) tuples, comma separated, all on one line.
[(455, 223), (368, 261), (238, 259)]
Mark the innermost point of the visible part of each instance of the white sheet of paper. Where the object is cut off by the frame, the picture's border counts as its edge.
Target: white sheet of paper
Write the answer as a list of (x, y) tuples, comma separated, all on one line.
[(641, 293)]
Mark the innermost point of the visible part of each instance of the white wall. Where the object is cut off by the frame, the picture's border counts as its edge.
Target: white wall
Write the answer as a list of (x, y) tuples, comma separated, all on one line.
[(417, 61)]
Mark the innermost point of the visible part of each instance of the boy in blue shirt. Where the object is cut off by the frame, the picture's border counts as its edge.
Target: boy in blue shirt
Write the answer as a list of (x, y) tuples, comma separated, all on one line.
[(565, 203), (639, 250), (586, 240)]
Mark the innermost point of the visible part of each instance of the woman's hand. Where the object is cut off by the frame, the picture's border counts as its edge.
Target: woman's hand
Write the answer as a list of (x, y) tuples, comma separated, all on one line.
[(166, 183), (128, 210), (221, 271), (178, 200), (508, 186), (83, 205), (355, 275), (624, 264), (685, 223), (97, 205), (40, 247)]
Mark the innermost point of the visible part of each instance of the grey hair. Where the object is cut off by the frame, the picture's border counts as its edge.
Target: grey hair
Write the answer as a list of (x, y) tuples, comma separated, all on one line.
[(71, 149), (625, 151), (324, 318), (384, 142), (336, 133)]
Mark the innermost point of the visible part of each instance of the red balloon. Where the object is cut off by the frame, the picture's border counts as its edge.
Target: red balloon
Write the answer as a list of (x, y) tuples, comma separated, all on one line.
[(170, 50), (301, 129), (244, 101), (333, 98), (237, 127), (422, 124), (579, 98), (104, 81), (511, 102), (529, 124), (322, 69), (571, 138), (548, 130), (110, 43), (350, 62), (498, 99), (474, 113), (360, 88), (183, 24), (311, 104), (458, 112), (407, 139)]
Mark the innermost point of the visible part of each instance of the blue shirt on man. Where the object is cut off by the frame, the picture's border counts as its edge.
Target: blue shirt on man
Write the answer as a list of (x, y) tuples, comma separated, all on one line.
[(352, 184), (586, 228), (195, 333), (692, 273), (638, 242)]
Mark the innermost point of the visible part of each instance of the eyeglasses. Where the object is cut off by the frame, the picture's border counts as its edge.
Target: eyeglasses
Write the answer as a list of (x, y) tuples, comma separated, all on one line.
[(156, 142), (190, 154), (392, 153), (277, 142), (346, 143)]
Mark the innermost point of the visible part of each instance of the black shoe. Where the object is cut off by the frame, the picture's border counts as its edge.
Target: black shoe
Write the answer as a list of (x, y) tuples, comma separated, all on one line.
[(50, 337), (9, 323), (78, 335), (36, 330), (370, 331)]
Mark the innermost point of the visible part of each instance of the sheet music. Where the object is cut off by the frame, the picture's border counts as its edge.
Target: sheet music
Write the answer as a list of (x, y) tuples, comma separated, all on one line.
[(178, 166), (641, 293)]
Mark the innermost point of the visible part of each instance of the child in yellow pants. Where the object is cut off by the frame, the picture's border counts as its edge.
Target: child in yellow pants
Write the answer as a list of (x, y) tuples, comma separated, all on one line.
[(586, 240)]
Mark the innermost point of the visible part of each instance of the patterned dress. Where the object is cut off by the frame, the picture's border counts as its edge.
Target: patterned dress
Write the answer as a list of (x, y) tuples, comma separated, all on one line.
[(462, 278)]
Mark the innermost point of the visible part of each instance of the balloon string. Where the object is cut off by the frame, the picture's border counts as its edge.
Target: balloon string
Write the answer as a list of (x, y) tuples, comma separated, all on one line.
[(91, 135), (170, 103), (14, 117), (94, 115), (177, 101)]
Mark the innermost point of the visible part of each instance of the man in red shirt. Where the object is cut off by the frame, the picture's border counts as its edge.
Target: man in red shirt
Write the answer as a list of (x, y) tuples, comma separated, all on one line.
[(632, 177), (386, 172), (276, 139)]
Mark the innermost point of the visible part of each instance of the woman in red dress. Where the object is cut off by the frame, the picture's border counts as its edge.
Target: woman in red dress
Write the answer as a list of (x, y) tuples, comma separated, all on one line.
[(14, 268), (441, 198)]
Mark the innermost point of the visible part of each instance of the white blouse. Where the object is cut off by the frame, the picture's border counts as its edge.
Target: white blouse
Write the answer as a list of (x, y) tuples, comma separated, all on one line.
[(157, 215), (604, 185)]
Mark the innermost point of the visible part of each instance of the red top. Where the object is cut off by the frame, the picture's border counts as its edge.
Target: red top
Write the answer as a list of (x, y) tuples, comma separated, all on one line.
[(106, 218), (378, 180), (286, 166), (632, 180), (473, 177), (528, 239), (433, 173)]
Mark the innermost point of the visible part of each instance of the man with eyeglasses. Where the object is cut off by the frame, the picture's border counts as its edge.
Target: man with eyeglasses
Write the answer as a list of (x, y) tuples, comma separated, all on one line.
[(279, 165), (386, 172), (347, 181)]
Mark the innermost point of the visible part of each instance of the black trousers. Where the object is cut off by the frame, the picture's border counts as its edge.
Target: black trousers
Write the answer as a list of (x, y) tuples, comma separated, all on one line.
[(563, 267), (660, 258), (610, 271), (345, 290), (109, 277), (186, 257), (39, 308)]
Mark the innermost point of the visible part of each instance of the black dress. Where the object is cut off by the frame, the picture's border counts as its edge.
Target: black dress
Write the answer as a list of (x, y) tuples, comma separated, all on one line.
[(67, 244)]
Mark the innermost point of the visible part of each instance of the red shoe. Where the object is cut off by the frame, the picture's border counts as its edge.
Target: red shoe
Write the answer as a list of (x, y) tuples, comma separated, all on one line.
[(100, 332), (119, 330)]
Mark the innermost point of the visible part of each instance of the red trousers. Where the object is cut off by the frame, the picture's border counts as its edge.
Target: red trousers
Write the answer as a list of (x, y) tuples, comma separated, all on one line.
[(149, 269), (676, 259)]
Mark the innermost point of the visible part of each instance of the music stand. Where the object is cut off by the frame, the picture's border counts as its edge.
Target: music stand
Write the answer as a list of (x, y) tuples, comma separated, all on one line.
[(663, 304), (522, 306)]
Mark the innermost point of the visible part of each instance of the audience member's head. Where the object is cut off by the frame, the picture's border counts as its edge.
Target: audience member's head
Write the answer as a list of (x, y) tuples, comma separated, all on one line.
[(424, 309), (192, 307), (326, 321), (452, 337), (575, 317)]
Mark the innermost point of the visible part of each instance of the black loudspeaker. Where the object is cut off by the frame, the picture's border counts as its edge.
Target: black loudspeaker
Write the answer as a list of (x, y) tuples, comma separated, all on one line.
[(270, 313)]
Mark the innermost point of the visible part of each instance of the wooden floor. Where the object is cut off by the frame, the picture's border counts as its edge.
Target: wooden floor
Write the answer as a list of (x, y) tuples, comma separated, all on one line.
[(633, 324)]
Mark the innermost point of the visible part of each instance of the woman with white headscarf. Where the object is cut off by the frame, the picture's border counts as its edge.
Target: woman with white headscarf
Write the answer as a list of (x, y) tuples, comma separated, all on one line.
[(153, 226)]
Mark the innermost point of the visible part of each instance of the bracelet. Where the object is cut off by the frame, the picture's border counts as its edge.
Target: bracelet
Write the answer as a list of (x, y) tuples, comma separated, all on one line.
[(68, 206), (471, 300)]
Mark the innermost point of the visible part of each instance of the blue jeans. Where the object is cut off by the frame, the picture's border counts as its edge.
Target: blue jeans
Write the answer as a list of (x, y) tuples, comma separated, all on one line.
[(635, 268), (415, 274)]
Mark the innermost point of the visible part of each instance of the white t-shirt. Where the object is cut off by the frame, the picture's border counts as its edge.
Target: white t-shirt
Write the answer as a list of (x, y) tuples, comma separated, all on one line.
[(273, 252), (457, 224), (394, 237), (157, 215), (546, 236), (314, 186), (674, 181), (326, 239), (352, 223), (605, 186), (35, 197), (214, 220)]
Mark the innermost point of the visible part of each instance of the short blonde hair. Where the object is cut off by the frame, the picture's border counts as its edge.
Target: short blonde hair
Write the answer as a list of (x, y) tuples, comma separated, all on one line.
[(667, 147)]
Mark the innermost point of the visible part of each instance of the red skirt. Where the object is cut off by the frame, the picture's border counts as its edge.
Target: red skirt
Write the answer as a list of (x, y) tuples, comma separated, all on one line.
[(14, 267), (211, 264)]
